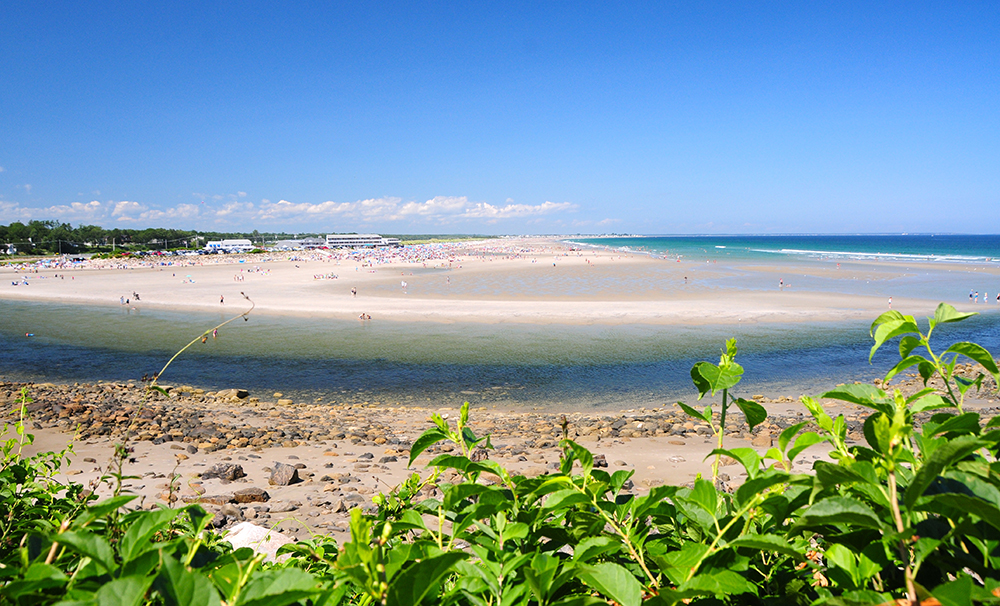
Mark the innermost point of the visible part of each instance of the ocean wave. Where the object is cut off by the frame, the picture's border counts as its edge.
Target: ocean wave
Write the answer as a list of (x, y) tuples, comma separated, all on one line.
[(940, 258)]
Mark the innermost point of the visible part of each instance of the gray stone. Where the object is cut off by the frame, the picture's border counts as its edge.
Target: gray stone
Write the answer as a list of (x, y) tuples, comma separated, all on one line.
[(231, 511), (284, 475), (251, 495), (600, 461), (224, 471)]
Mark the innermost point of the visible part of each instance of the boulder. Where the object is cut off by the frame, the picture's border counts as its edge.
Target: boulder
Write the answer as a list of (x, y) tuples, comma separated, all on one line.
[(284, 475), (251, 495), (224, 471), (209, 499), (261, 540)]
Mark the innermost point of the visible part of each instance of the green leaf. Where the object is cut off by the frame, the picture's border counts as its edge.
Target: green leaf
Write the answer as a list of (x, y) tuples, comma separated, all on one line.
[(907, 344), (146, 524), (785, 438), (278, 587), (102, 509), (816, 410), (691, 412), (181, 587), (583, 455), (677, 564), (722, 582), (751, 488), (459, 462), (987, 512), (839, 511), (613, 581), (946, 313), (767, 542), (90, 545), (929, 402), (127, 591), (967, 423), (802, 442), (903, 364), (425, 441), (705, 496), (708, 377), (410, 587), (748, 457), (955, 593), (888, 325), (592, 547), (565, 498), (863, 394), (977, 353), (754, 412), (942, 458)]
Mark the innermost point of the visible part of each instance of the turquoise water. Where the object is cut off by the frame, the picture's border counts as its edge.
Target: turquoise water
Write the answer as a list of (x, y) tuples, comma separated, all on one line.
[(890, 247)]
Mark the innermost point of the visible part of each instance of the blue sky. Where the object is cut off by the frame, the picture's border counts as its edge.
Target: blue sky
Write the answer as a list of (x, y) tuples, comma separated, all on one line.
[(541, 117)]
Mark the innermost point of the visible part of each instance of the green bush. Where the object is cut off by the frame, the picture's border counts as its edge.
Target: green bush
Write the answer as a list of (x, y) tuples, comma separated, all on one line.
[(913, 515)]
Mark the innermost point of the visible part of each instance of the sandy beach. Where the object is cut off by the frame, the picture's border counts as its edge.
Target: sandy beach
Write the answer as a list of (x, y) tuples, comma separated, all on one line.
[(526, 280)]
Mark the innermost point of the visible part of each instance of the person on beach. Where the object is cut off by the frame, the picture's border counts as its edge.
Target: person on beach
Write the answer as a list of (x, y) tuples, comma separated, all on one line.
[(354, 292), (222, 300), (977, 297), (781, 283), (890, 302)]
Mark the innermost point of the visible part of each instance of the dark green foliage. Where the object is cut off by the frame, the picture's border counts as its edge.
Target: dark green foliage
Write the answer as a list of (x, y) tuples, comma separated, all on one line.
[(914, 513)]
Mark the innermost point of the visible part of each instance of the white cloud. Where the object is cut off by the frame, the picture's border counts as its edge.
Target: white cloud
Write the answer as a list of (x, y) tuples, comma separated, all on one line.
[(488, 211), (27, 187), (234, 210), (2, 169)]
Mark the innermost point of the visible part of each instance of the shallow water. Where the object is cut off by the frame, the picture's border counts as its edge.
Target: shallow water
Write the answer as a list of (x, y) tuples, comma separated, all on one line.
[(568, 367)]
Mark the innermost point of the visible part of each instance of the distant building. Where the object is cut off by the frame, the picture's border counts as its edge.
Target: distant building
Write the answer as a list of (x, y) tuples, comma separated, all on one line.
[(230, 246), (359, 241)]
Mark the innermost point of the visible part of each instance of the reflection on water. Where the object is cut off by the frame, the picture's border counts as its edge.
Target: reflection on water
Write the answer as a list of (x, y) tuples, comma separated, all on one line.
[(435, 364)]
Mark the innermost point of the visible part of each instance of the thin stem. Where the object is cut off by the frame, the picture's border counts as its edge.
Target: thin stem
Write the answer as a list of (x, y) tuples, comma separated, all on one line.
[(904, 552)]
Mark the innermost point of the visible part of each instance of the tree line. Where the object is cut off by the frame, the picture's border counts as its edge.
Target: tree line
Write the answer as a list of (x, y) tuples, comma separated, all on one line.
[(39, 237)]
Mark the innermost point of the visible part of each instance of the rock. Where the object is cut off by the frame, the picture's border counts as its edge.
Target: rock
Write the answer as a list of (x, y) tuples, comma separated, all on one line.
[(251, 495), (479, 454), (393, 459), (284, 475), (366, 456), (285, 402), (218, 520), (258, 538), (762, 441), (620, 463), (284, 507), (191, 448), (231, 511), (224, 471), (727, 461), (339, 506), (600, 461), (210, 499), (232, 394)]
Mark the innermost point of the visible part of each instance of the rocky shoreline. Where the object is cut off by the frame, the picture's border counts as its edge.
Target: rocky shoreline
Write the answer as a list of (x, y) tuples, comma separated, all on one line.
[(300, 467)]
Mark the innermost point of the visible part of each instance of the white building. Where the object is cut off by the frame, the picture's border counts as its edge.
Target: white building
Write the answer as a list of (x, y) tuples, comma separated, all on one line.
[(230, 246), (359, 241)]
